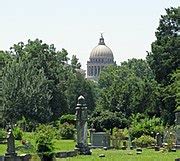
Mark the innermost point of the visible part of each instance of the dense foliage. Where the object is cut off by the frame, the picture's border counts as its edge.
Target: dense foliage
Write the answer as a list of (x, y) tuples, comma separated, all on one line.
[(144, 141), (44, 136), (164, 59), (67, 131), (40, 85), (129, 88), (142, 125), (70, 119)]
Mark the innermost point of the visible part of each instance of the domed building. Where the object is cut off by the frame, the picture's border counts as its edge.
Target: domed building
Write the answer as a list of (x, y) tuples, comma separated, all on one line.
[(100, 57)]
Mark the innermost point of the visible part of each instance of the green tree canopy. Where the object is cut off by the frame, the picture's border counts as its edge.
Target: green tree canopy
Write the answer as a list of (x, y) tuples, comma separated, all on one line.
[(165, 58), (129, 88), (40, 85)]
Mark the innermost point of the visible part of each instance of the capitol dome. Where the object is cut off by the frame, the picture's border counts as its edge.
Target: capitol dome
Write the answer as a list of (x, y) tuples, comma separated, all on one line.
[(100, 57), (101, 50)]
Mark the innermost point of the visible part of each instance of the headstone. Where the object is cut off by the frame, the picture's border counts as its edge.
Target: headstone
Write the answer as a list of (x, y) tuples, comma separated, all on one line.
[(10, 144), (100, 140), (156, 148), (124, 146), (138, 151), (81, 125), (102, 155), (158, 140), (11, 154), (177, 129), (177, 159)]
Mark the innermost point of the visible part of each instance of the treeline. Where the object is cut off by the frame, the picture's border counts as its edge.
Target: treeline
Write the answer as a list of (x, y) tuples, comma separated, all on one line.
[(41, 84)]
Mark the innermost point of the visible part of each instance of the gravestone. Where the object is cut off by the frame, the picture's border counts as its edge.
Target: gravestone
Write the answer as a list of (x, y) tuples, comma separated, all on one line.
[(11, 154), (158, 140), (177, 159), (177, 128), (81, 125), (10, 144), (100, 139)]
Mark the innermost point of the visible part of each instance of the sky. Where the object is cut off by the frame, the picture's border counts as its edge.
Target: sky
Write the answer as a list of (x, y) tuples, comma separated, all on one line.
[(128, 26)]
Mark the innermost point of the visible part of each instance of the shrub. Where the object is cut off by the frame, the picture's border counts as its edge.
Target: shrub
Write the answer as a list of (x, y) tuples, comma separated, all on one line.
[(17, 133), (117, 136), (144, 141), (44, 136), (3, 134), (103, 120), (67, 131), (145, 126), (68, 118)]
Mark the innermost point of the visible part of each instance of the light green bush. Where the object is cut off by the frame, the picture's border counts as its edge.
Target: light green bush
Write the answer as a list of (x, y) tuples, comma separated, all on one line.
[(144, 141), (67, 131), (44, 136), (18, 133)]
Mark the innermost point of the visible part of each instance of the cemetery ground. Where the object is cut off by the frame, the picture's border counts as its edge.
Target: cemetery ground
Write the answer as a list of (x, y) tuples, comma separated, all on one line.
[(110, 155)]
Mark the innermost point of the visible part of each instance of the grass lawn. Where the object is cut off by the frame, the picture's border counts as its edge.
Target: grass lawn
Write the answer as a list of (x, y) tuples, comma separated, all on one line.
[(120, 155), (110, 155)]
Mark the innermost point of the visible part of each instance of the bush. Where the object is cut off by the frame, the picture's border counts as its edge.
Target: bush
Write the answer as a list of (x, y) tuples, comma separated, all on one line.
[(103, 120), (144, 141), (117, 136), (68, 118), (67, 131), (145, 126), (44, 136), (3, 134), (17, 133)]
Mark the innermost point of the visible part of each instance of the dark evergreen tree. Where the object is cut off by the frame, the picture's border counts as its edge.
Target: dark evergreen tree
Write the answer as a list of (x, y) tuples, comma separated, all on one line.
[(164, 59)]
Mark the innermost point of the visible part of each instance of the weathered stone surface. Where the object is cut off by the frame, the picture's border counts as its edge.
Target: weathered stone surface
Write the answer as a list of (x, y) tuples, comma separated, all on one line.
[(66, 154), (10, 144), (159, 140), (81, 125), (100, 139), (178, 159)]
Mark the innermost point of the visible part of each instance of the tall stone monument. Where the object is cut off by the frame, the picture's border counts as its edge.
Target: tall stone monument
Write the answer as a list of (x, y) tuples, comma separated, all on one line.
[(11, 154), (10, 144), (81, 125)]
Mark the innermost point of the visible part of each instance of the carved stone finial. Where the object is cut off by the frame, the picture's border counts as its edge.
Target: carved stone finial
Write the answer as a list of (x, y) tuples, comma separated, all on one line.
[(81, 100)]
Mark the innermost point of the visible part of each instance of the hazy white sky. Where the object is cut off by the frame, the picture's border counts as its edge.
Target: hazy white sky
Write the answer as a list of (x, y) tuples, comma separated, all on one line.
[(128, 25)]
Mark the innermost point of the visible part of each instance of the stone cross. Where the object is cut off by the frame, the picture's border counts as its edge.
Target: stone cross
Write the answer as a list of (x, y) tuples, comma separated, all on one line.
[(81, 125)]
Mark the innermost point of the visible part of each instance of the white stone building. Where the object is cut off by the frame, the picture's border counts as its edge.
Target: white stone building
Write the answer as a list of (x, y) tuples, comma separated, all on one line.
[(100, 57)]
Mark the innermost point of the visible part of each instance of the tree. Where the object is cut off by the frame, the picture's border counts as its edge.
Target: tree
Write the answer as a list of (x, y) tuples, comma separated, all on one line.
[(25, 93), (164, 58), (38, 67), (40, 85), (129, 88), (74, 63), (78, 85), (4, 57), (174, 88), (106, 120)]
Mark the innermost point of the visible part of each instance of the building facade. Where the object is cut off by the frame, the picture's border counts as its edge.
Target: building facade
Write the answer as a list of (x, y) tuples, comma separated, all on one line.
[(100, 57)]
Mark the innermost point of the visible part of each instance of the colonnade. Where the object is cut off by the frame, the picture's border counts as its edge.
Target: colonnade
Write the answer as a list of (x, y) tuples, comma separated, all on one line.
[(94, 70)]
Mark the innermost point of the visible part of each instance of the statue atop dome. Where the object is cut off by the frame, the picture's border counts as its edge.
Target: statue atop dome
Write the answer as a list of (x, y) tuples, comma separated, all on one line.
[(101, 40)]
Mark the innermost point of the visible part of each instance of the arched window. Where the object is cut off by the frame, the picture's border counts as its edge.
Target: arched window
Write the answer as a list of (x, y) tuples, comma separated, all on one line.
[(95, 71)]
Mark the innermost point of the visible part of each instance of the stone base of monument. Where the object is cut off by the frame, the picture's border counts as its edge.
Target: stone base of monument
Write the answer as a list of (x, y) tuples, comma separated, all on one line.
[(23, 157), (83, 150)]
